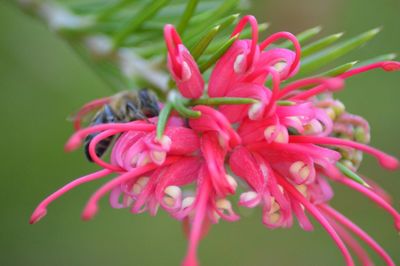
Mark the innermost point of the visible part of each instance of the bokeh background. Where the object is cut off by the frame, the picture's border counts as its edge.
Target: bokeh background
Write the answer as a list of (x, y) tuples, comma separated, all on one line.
[(42, 81)]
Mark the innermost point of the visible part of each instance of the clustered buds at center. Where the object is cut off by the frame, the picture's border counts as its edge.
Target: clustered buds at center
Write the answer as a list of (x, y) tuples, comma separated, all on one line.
[(279, 151)]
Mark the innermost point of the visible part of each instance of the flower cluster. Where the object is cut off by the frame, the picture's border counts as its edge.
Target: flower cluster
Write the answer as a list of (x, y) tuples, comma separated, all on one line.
[(283, 149)]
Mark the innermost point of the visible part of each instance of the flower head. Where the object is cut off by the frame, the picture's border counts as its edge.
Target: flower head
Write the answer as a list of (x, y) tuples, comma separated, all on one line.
[(285, 147)]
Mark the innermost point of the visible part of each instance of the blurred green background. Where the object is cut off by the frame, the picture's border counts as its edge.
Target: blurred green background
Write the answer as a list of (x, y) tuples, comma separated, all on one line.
[(42, 81)]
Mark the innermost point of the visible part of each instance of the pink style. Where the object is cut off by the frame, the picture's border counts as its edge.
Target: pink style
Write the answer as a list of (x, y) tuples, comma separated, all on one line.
[(280, 153)]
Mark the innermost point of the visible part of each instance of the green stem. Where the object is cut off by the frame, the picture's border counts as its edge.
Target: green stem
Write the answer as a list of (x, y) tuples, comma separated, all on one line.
[(163, 119), (183, 110), (221, 101), (285, 103)]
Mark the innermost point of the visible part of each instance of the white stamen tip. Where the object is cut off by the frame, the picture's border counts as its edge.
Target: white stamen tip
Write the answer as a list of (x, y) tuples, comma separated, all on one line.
[(187, 202), (275, 207), (313, 127), (232, 182), (186, 72), (280, 66), (142, 161), (173, 191), (275, 217), (158, 157), (134, 160), (302, 189), (165, 142), (140, 185), (255, 110), (172, 195), (248, 196), (238, 66)]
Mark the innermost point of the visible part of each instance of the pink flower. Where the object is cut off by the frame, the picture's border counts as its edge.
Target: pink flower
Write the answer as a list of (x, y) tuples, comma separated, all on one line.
[(286, 148), (153, 173), (182, 66), (286, 171)]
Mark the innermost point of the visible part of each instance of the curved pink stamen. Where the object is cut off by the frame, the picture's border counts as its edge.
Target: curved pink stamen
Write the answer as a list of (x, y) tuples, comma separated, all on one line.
[(332, 84), (384, 159), (172, 41), (352, 243), (76, 139), (359, 232), (298, 84), (254, 36), (90, 106), (41, 209), (196, 229), (276, 82), (92, 150), (284, 35), (91, 207), (374, 197), (385, 65), (318, 216)]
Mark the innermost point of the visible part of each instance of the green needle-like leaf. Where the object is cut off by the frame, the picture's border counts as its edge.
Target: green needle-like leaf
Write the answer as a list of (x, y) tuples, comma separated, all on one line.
[(302, 37), (228, 5), (246, 33), (199, 25), (111, 10), (141, 17), (317, 60), (338, 70), (223, 23), (214, 58), (350, 174), (202, 45), (163, 119), (320, 44), (187, 15), (385, 57)]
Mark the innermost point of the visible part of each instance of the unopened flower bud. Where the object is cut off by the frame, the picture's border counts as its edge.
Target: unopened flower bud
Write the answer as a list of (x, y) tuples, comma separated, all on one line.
[(187, 202), (140, 185), (172, 195), (300, 169), (277, 134)]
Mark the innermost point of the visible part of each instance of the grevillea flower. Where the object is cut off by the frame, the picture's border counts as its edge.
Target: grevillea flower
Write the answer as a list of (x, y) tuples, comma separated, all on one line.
[(285, 148)]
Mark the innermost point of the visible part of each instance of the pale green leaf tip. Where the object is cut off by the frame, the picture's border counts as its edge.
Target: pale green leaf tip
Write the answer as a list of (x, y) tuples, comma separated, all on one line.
[(316, 29), (263, 26), (375, 31), (338, 35), (216, 28)]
